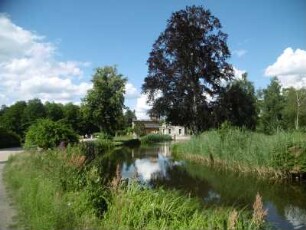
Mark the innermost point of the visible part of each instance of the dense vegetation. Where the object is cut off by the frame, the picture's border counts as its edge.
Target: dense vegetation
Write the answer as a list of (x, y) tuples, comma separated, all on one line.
[(155, 138), (278, 155), (8, 139), (49, 134), (66, 190)]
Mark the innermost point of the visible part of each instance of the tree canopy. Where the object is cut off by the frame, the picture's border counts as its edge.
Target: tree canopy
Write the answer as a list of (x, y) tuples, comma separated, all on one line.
[(104, 103), (238, 104), (186, 67)]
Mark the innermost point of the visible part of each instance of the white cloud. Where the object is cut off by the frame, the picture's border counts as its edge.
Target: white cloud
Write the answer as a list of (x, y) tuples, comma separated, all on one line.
[(238, 73), (145, 168), (240, 53), (28, 68), (142, 107), (130, 91), (289, 68)]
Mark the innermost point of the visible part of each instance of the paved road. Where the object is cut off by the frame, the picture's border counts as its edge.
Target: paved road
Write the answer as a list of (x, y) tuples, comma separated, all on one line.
[(7, 212)]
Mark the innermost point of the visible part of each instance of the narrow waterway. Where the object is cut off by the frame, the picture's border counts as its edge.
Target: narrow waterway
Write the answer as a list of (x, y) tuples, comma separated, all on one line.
[(154, 166)]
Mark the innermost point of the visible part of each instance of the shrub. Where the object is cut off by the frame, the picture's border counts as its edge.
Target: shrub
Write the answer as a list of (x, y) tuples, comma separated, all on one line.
[(8, 139), (48, 134)]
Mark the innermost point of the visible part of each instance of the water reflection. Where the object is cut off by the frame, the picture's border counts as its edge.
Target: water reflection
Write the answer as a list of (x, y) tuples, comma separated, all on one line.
[(286, 203)]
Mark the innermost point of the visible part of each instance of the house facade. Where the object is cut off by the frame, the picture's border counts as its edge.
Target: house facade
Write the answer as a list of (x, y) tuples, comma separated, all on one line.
[(174, 131), (155, 126)]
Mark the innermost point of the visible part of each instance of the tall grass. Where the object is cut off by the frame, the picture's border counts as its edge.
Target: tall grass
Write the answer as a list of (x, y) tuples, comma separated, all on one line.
[(155, 138), (51, 192), (61, 190), (278, 155), (136, 207)]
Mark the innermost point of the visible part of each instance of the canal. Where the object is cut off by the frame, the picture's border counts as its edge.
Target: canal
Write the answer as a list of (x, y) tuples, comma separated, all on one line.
[(154, 166)]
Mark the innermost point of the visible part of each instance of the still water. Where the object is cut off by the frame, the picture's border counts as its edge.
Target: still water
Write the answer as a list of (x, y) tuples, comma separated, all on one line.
[(154, 166)]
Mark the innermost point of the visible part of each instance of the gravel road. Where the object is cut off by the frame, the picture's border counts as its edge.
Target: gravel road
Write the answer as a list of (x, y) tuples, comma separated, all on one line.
[(7, 212)]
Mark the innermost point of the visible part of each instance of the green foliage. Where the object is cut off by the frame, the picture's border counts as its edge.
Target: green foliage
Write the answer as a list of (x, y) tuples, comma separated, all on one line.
[(105, 102), (294, 111), (8, 139), (247, 151), (136, 207), (48, 134), (237, 104), (52, 192), (271, 108), (59, 190), (54, 111), (139, 129), (93, 149), (35, 110), (187, 63), (12, 118), (155, 138)]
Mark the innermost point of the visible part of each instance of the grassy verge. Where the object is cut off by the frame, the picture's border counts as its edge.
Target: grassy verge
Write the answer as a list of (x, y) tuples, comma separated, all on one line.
[(62, 190), (155, 138), (278, 155)]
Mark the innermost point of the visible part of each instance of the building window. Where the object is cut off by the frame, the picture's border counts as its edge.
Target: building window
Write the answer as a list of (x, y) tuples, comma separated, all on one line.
[(180, 131), (163, 131), (169, 131)]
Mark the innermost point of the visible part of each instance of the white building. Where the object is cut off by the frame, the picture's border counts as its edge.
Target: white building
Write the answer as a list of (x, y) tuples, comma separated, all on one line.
[(176, 132)]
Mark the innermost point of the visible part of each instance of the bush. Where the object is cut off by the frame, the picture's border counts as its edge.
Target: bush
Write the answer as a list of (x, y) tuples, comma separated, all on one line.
[(48, 134), (8, 139)]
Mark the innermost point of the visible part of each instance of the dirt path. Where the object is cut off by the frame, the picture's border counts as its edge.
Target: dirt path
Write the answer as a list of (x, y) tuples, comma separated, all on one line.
[(7, 212)]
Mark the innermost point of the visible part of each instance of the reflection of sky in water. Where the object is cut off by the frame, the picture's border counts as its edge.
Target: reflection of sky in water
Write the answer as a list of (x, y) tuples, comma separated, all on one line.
[(296, 216), (144, 168), (158, 163)]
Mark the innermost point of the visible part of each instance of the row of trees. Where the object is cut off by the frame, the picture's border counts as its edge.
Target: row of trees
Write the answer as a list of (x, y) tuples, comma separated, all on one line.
[(102, 109)]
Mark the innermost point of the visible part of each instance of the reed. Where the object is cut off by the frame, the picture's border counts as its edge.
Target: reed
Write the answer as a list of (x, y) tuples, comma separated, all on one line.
[(277, 155), (61, 190), (155, 138)]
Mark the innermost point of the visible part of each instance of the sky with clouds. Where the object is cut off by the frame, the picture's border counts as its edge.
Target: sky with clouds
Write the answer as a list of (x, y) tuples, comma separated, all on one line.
[(50, 49)]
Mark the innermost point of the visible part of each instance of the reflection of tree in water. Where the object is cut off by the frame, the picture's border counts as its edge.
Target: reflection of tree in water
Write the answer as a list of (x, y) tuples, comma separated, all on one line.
[(241, 189), (107, 163), (178, 178)]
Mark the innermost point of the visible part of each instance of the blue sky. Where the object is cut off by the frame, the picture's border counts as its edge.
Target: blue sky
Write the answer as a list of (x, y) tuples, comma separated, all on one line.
[(64, 41)]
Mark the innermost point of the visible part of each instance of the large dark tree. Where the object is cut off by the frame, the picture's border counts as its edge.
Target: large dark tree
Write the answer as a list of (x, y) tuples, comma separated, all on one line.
[(186, 67)]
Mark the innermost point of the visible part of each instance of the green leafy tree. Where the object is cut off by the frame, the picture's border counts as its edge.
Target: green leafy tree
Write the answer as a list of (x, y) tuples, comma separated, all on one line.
[(294, 108), (54, 111), (104, 103), (186, 67), (48, 134), (129, 117), (237, 104), (271, 114), (72, 116), (12, 118), (35, 110), (139, 129)]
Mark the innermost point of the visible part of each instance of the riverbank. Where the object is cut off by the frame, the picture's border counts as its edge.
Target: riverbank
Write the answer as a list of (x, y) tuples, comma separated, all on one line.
[(278, 156), (61, 189)]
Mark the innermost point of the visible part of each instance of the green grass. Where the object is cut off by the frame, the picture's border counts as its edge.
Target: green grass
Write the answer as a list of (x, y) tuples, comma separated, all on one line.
[(155, 138), (136, 207), (61, 190), (241, 150), (50, 192)]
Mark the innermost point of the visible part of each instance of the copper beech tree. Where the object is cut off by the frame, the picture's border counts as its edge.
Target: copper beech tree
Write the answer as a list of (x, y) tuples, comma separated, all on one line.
[(187, 68)]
